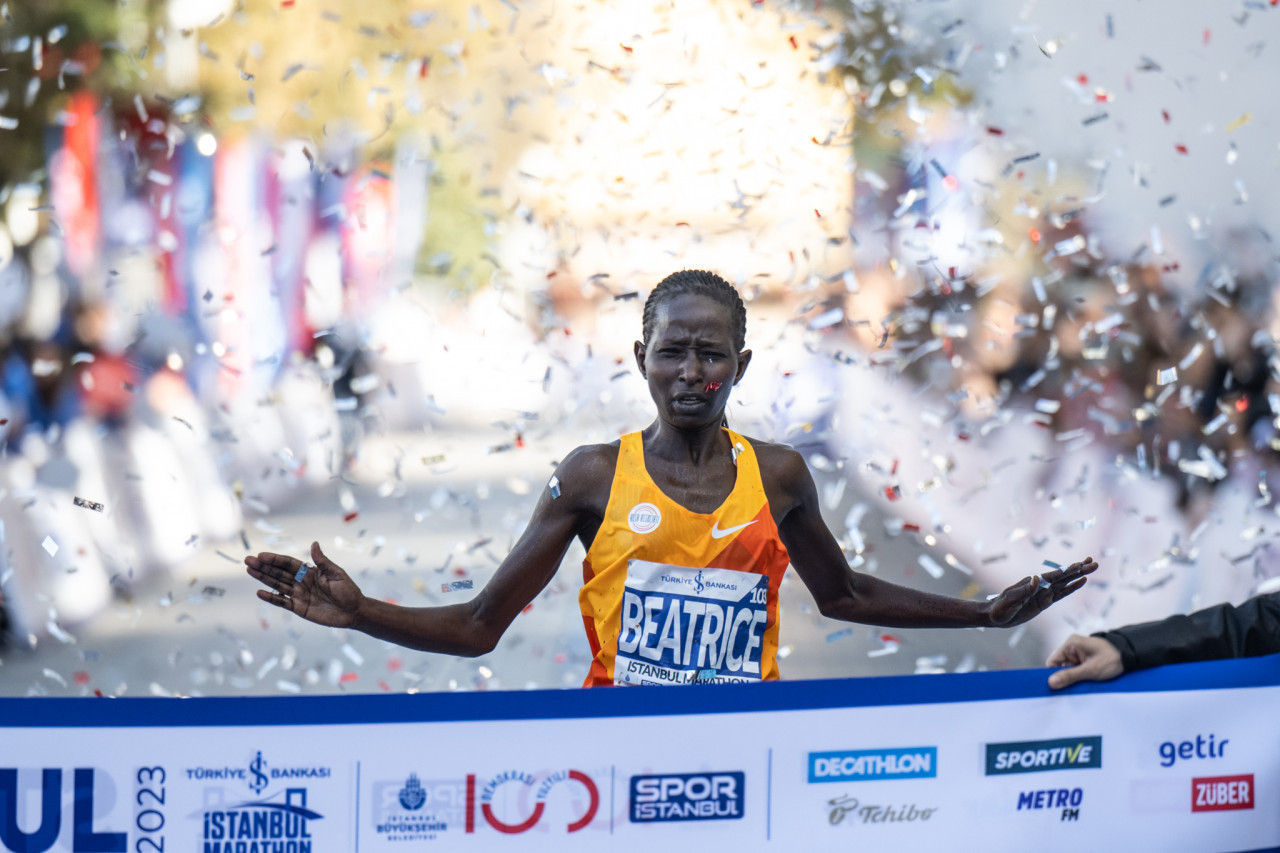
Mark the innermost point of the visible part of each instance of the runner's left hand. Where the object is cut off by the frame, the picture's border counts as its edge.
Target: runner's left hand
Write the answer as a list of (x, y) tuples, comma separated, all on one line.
[(1031, 596)]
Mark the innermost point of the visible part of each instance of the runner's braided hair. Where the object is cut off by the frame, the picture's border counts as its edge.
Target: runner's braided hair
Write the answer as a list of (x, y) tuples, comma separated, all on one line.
[(697, 283)]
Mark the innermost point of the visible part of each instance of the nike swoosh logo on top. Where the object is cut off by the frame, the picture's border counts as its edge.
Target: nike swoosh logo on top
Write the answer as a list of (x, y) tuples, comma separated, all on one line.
[(717, 533)]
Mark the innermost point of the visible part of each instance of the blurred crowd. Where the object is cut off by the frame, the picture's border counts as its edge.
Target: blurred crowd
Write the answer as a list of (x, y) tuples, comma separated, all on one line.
[(1180, 383), (182, 336)]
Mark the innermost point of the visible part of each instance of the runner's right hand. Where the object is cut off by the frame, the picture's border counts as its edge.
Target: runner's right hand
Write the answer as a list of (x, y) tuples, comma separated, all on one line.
[(325, 595)]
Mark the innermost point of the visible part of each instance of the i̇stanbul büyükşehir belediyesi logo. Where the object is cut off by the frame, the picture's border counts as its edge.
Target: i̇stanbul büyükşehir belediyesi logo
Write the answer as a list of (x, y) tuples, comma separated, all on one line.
[(412, 796)]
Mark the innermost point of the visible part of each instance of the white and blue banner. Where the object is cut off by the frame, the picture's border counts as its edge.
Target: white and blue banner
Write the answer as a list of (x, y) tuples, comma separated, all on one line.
[(1183, 758)]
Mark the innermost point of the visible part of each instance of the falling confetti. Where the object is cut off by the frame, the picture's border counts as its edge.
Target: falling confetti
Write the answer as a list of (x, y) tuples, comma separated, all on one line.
[(931, 566), (1023, 314), (1238, 123)]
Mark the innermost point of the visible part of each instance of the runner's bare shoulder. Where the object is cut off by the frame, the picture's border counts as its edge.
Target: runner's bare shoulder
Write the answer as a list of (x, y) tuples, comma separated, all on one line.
[(780, 460), (585, 476), (782, 470)]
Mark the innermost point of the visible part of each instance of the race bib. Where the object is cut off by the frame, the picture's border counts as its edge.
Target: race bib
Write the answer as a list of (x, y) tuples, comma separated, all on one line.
[(682, 625)]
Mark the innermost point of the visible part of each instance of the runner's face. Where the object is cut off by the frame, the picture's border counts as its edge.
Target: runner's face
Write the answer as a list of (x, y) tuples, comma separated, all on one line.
[(691, 362)]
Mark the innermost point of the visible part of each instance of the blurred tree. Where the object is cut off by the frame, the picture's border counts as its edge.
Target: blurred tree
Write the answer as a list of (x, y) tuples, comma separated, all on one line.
[(891, 61), (48, 51), (359, 77)]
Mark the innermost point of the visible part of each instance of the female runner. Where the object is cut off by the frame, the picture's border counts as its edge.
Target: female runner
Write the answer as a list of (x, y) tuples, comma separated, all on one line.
[(688, 527)]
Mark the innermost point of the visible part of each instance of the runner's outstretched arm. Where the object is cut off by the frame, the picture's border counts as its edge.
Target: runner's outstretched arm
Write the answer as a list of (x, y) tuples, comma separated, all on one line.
[(844, 594), (326, 594)]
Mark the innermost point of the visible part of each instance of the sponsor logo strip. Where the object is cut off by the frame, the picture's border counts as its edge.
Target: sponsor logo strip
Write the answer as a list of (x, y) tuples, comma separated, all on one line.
[(848, 810), (1222, 793), (1051, 798), (1170, 752), (687, 796), (914, 762), (1035, 756)]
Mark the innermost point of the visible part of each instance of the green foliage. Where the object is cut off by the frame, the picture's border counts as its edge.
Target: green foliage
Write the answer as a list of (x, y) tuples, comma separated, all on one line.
[(48, 51), (890, 58), (456, 246)]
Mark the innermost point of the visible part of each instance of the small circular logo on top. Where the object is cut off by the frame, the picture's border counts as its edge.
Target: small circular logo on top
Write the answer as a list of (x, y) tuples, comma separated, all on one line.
[(644, 517)]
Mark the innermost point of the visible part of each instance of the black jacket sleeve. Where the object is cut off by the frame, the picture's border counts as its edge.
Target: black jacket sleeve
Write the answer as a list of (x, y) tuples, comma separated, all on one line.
[(1224, 631)]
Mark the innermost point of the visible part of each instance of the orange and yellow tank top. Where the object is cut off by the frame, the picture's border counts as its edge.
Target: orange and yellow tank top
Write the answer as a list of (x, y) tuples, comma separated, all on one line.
[(671, 596)]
